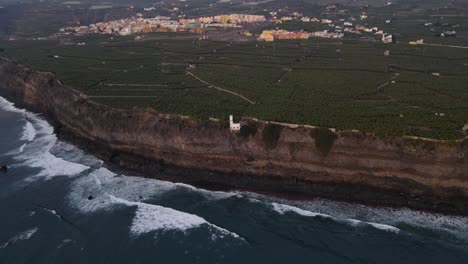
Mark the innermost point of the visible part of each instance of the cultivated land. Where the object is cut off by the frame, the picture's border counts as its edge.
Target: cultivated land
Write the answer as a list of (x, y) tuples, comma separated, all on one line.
[(419, 90), (343, 84)]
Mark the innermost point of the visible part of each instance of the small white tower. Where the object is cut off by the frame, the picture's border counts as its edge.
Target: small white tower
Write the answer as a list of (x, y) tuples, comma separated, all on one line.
[(233, 127)]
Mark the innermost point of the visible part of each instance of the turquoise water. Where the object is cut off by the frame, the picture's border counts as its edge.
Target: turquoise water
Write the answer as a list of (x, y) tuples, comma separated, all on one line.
[(62, 205)]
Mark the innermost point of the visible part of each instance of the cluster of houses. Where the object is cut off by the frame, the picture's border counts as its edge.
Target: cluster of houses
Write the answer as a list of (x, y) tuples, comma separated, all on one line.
[(337, 27), (326, 34), (443, 33), (232, 18), (139, 24), (279, 34), (271, 35), (385, 37), (297, 16)]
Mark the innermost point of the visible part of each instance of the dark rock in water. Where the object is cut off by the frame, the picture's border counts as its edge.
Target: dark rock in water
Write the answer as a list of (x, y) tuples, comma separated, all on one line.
[(140, 197), (90, 197), (4, 169)]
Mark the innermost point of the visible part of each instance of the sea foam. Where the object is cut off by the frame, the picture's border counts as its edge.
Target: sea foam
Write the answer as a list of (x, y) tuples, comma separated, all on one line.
[(15, 152), (103, 185), (284, 208), (41, 138), (9, 106), (37, 152), (149, 217), (21, 236), (29, 133), (383, 227), (28, 130), (132, 188)]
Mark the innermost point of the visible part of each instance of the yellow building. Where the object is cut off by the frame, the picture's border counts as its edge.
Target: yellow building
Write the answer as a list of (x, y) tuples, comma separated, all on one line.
[(162, 29), (417, 42), (197, 30), (267, 35), (225, 18)]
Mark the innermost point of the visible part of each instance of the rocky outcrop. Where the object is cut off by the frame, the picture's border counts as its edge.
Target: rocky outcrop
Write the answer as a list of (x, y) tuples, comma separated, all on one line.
[(268, 157)]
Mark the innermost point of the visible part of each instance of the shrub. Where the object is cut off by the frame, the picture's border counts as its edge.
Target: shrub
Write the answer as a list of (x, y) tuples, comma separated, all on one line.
[(324, 139), (249, 129), (271, 134)]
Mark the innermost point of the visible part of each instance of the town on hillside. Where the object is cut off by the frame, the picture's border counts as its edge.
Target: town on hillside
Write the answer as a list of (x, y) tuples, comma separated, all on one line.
[(333, 28)]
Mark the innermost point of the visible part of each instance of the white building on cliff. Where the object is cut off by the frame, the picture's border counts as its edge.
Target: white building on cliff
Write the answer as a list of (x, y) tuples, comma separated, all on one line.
[(233, 127)]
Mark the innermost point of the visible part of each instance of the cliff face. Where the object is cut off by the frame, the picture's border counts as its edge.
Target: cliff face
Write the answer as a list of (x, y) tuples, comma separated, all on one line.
[(297, 160)]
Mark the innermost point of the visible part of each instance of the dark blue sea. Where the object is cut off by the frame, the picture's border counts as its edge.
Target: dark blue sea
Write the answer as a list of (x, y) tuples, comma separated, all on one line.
[(59, 204)]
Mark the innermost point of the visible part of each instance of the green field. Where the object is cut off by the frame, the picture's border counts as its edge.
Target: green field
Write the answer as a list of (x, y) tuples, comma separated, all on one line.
[(340, 84)]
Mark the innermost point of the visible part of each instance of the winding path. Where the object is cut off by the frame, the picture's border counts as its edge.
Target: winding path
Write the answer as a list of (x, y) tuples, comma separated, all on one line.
[(221, 89), (122, 96), (380, 87), (135, 85)]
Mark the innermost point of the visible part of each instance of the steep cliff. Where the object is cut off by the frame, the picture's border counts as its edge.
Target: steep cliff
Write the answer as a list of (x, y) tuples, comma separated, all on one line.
[(296, 160)]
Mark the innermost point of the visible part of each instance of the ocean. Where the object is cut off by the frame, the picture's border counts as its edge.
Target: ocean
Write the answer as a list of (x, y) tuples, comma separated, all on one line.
[(60, 204)]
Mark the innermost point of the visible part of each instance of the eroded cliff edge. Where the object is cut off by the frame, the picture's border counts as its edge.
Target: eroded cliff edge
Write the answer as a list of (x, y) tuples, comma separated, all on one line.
[(296, 160)]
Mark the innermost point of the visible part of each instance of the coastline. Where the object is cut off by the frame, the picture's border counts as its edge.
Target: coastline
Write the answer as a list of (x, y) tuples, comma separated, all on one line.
[(303, 162), (288, 187)]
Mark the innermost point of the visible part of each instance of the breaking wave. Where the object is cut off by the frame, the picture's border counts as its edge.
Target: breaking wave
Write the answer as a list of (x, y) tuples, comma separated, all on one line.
[(402, 218), (15, 151), (21, 236), (29, 133), (102, 190), (283, 208), (99, 191), (36, 153), (9, 106)]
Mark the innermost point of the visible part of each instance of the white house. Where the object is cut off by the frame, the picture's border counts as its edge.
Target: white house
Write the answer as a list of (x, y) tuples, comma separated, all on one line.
[(387, 39), (233, 127)]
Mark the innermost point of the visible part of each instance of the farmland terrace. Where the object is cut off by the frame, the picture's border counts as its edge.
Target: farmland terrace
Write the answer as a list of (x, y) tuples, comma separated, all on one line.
[(342, 84)]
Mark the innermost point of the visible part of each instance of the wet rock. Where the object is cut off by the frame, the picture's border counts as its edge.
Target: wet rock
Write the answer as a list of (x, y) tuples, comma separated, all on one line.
[(4, 169), (90, 197)]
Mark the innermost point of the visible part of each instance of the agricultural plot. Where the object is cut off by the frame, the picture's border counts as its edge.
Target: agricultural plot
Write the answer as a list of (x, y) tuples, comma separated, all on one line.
[(416, 90)]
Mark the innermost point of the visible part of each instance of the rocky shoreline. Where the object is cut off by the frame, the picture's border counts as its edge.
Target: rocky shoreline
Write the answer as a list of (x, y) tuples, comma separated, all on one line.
[(299, 161)]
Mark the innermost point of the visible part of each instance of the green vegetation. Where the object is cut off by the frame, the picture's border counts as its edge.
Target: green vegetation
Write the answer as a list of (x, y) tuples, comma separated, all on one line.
[(324, 139), (271, 134), (248, 129), (344, 85)]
